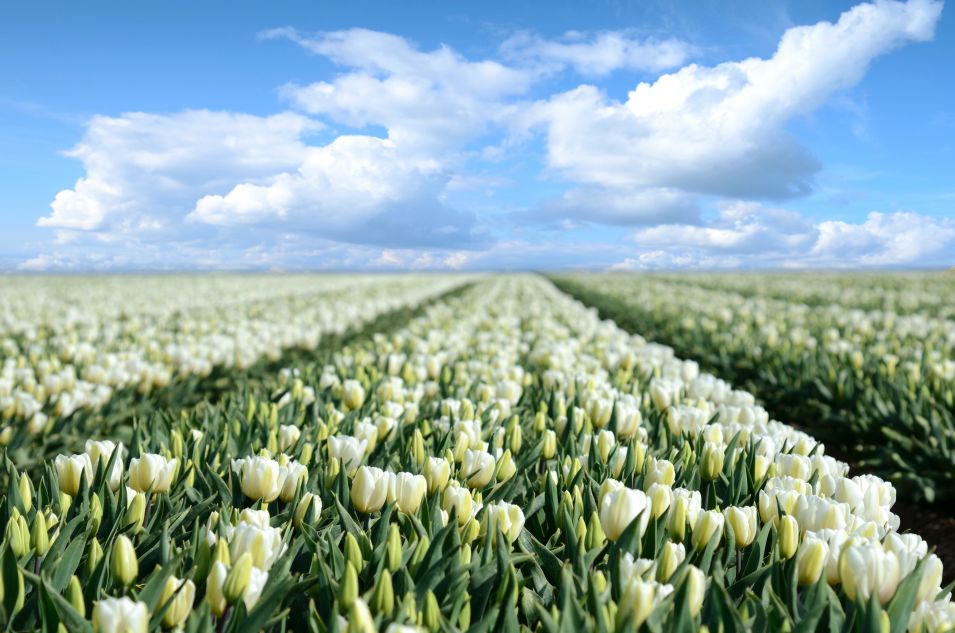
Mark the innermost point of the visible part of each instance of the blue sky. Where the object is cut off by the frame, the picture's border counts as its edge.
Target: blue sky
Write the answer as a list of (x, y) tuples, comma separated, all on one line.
[(618, 135)]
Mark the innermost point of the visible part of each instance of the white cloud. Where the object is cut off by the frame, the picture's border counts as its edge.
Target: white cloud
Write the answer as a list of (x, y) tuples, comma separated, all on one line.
[(596, 54), (141, 166), (748, 234), (721, 130), (428, 101)]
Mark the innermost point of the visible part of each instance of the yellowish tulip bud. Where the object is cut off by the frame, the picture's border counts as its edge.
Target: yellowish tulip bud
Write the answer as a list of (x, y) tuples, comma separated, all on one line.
[(788, 536), (123, 561)]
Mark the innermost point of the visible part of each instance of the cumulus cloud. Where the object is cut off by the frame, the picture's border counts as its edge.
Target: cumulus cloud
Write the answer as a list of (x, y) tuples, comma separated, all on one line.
[(721, 129), (747, 233), (365, 168), (431, 101), (596, 54)]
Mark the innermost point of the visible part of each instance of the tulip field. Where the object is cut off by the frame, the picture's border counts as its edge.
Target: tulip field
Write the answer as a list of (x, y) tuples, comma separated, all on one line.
[(398, 453)]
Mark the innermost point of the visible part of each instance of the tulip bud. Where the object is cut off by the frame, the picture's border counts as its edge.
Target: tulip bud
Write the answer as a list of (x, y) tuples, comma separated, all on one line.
[(369, 489), (136, 512), (94, 554), (348, 586), (359, 618), (308, 509), (418, 452), (96, 513), (18, 534), (393, 549), (305, 455), (431, 614), (696, 590), (465, 554), (620, 507), (743, 522), (760, 467), (708, 524), (214, 588), (550, 444), (595, 533), (179, 595), (123, 561), (811, 560), (436, 472), (506, 468), (221, 553), (660, 498), (788, 536), (676, 522), (74, 595), (409, 491), (40, 535), (238, 578), (420, 551), (711, 462), (383, 596), (26, 492), (673, 554), (353, 552)]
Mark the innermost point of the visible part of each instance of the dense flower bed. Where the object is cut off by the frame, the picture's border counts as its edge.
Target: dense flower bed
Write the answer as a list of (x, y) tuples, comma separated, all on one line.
[(876, 385), (506, 461)]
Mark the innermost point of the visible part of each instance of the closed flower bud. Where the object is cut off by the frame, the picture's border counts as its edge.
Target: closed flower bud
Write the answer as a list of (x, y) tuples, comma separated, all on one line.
[(696, 590), (96, 512), (353, 552), (711, 462), (39, 535), (215, 583), (120, 615), (94, 554), (788, 536), (71, 469), (409, 491), (676, 522), (760, 467), (459, 499), (619, 508), (26, 492), (238, 578), (506, 468), (308, 509), (431, 613), (504, 517), (359, 618), (348, 586), (383, 596), (152, 472), (478, 468), (673, 554), (437, 471), (418, 453), (369, 489), (708, 524), (136, 511), (595, 533), (743, 522), (393, 550), (353, 395), (18, 534), (289, 434), (123, 561), (179, 596), (661, 495), (550, 444), (74, 595), (811, 560)]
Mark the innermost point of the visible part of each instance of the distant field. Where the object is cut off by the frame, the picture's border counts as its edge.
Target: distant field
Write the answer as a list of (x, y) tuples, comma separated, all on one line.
[(587, 452)]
